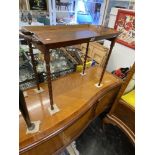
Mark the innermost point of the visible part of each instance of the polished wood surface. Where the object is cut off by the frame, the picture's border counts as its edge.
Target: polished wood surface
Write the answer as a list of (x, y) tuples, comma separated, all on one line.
[(49, 37), (121, 113), (24, 111), (57, 142), (70, 34), (78, 100), (112, 119), (126, 114), (48, 72), (74, 94), (106, 101)]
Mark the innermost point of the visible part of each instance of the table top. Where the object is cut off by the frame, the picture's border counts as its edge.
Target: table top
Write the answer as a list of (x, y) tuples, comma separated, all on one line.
[(70, 34), (73, 94)]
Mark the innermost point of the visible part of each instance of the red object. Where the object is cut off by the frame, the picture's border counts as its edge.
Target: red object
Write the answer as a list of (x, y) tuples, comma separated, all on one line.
[(119, 73), (128, 26), (125, 22)]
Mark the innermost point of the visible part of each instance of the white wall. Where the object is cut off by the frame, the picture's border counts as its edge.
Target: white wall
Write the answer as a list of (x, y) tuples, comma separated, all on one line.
[(122, 56)]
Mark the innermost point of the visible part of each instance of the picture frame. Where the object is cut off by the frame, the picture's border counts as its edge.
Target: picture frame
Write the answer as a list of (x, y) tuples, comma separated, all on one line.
[(125, 23), (38, 4)]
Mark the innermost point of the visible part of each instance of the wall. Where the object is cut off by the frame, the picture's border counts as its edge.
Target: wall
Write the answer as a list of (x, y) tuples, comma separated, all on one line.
[(121, 56), (115, 3)]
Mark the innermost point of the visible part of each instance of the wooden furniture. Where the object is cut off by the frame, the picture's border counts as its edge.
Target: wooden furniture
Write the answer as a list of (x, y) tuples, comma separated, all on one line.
[(24, 111), (122, 113), (96, 51), (49, 37), (79, 103), (77, 97)]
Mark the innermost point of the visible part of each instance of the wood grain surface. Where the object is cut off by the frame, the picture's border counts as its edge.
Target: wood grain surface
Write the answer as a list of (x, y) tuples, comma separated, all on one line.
[(77, 97), (68, 35), (121, 113)]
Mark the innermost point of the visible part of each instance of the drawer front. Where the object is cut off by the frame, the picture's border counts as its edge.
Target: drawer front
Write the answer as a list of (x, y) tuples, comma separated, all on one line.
[(63, 138), (106, 101), (77, 127)]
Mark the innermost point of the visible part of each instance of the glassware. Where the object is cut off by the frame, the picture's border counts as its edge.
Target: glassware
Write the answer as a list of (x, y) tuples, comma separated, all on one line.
[(40, 67)]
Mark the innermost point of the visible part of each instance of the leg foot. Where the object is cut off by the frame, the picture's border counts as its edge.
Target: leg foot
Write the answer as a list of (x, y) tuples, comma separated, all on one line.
[(54, 110), (98, 86), (34, 128)]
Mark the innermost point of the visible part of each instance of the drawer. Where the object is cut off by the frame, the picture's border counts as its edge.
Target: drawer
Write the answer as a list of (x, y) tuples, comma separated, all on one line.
[(77, 127), (63, 138), (106, 101)]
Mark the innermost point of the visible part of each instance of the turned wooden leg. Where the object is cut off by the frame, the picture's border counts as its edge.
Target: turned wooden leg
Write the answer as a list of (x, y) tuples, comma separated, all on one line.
[(48, 72), (33, 64), (106, 62), (24, 111), (85, 59)]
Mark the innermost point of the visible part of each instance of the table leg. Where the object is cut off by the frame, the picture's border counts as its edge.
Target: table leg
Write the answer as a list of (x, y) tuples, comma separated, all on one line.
[(24, 111), (48, 72), (106, 62), (33, 64), (85, 59)]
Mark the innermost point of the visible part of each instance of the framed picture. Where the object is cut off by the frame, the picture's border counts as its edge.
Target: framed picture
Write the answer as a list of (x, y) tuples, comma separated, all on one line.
[(38, 4), (125, 23)]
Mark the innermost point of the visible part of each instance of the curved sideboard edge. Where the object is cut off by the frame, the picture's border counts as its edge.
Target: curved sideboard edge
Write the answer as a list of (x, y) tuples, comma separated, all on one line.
[(91, 102)]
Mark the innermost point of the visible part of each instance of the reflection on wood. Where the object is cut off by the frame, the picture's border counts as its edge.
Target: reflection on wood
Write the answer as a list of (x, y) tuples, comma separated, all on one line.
[(48, 37), (79, 102)]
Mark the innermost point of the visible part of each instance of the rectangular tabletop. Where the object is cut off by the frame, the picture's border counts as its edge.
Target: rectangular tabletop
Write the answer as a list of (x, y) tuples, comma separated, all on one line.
[(70, 34)]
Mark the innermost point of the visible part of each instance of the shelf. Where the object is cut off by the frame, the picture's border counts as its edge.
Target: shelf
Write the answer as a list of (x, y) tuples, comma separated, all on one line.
[(62, 11), (94, 2)]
